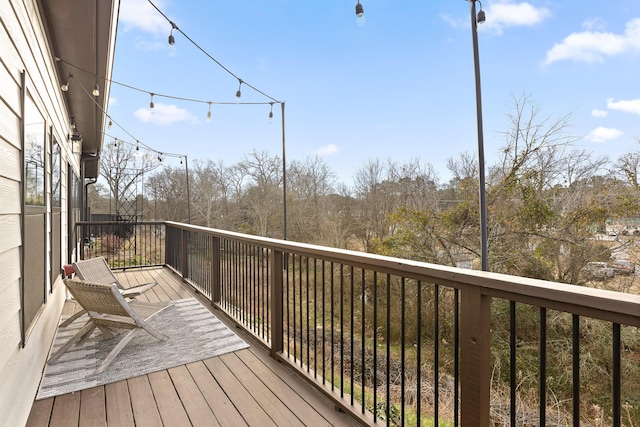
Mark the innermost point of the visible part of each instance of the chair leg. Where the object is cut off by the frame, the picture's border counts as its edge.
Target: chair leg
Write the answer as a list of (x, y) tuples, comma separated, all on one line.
[(116, 350), (71, 319), (86, 330)]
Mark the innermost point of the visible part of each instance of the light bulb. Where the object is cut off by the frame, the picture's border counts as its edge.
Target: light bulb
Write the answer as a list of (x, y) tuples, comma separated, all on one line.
[(360, 19), (172, 40), (110, 125), (65, 85), (238, 93), (151, 102), (209, 113), (96, 90), (481, 17)]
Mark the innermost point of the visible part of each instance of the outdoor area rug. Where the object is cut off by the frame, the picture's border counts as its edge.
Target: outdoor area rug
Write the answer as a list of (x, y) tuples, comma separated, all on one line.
[(193, 334)]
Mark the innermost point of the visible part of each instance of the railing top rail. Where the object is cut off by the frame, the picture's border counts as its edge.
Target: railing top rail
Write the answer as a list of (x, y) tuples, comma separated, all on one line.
[(597, 303), (82, 223)]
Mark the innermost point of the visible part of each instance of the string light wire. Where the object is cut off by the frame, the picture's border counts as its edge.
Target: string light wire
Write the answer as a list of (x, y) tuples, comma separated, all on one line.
[(175, 27)]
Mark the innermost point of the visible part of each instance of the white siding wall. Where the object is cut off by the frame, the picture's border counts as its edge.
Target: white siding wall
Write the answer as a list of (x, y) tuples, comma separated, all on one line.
[(23, 46)]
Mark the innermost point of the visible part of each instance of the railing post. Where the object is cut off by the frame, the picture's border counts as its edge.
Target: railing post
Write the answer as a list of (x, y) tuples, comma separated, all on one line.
[(276, 302), (216, 293), (475, 357)]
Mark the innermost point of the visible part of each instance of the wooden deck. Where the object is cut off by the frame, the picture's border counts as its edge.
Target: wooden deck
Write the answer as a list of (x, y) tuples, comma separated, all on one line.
[(242, 388)]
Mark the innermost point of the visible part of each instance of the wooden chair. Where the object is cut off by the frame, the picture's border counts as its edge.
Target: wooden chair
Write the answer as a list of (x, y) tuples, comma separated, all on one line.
[(108, 310), (96, 270)]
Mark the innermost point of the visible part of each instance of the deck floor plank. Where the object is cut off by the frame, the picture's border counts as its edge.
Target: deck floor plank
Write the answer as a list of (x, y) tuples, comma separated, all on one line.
[(92, 407), (66, 410), (197, 408), (244, 388), (223, 409), (270, 403), (40, 413), (145, 410), (242, 399), (171, 409), (119, 410), (305, 400)]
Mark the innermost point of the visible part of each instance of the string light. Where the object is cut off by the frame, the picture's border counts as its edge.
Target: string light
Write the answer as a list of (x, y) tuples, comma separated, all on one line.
[(481, 15), (172, 39), (151, 102), (65, 85), (360, 20), (271, 113), (209, 112), (96, 90), (111, 121), (174, 27), (238, 93)]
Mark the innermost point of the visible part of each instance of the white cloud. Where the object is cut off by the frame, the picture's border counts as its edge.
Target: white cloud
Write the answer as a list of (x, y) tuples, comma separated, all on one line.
[(327, 150), (163, 114), (594, 46), (602, 134), (502, 14), (139, 14), (599, 113), (112, 101), (630, 106), (507, 13)]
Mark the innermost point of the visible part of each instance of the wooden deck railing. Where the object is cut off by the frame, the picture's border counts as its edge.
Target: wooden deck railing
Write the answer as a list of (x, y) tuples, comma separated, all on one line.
[(408, 343)]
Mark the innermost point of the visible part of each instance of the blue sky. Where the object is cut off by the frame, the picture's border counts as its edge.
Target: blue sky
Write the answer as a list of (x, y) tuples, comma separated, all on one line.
[(399, 87)]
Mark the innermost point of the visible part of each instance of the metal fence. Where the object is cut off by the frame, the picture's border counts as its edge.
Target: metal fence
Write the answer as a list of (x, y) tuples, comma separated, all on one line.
[(398, 342)]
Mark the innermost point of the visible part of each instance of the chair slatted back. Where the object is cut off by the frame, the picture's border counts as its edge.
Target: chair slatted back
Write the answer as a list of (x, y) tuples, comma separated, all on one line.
[(96, 270), (98, 297)]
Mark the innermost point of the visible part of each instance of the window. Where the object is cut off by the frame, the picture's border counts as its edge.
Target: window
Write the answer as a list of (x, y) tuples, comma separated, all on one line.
[(34, 154)]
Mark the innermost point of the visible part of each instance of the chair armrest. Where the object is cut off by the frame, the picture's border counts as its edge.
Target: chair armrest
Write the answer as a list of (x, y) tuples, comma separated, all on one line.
[(137, 290)]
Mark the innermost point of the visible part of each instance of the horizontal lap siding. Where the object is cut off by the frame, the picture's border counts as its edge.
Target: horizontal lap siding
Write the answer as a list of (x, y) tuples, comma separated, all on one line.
[(23, 47)]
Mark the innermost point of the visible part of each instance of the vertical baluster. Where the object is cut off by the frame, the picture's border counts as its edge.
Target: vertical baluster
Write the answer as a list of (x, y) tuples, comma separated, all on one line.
[(616, 375), (542, 382), (351, 281), (363, 341), (315, 318), (576, 370), (419, 360), (375, 346), (403, 313), (331, 330), (341, 330), (308, 339), (436, 353), (324, 320), (456, 357), (388, 352), (512, 362)]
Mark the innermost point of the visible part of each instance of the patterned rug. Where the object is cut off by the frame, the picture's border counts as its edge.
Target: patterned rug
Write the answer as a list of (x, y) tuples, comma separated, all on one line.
[(194, 334)]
